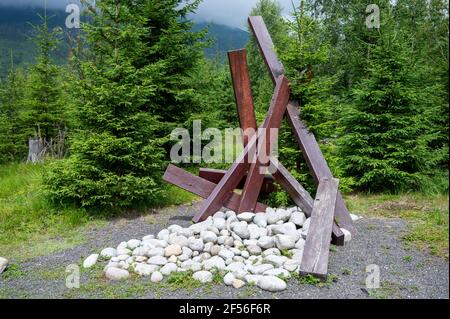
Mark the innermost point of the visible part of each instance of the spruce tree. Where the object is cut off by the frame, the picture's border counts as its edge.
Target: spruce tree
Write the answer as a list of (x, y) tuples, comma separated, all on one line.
[(127, 97), (385, 139)]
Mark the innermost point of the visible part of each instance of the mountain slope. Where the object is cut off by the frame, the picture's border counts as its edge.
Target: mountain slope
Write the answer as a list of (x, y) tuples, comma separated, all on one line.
[(16, 29)]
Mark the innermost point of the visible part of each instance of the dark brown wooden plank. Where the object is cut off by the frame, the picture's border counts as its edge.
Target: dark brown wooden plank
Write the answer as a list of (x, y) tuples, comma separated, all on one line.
[(275, 115), (200, 186), (301, 197), (242, 90), (215, 175), (317, 245), (234, 175), (266, 46), (313, 155), (316, 162)]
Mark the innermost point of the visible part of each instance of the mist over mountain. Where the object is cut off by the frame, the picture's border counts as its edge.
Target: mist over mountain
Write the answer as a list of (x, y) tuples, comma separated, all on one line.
[(16, 30)]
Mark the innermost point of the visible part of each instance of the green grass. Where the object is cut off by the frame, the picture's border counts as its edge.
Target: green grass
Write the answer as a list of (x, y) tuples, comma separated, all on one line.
[(31, 226), (427, 217)]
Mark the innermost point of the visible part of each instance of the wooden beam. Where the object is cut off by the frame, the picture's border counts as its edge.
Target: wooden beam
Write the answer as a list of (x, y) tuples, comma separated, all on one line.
[(266, 46), (255, 178), (301, 197), (317, 245), (234, 175), (242, 90), (308, 144), (215, 175), (200, 186), (316, 162)]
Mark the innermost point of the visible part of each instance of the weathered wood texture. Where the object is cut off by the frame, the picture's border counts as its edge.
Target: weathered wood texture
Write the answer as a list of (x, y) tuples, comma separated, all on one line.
[(309, 146), (215, 175), (234, 175), (266, 46), (200, 186), (255, 178), (317, 245), (242, 91), (316, 162)]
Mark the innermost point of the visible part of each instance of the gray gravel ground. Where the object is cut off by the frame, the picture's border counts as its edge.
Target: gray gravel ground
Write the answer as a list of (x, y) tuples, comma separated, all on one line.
[(404, 272)]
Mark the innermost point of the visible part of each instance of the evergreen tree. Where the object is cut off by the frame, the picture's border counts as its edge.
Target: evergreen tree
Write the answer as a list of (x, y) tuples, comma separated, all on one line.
[(44, 112), (385, 141), (13, 137), (127, 90)]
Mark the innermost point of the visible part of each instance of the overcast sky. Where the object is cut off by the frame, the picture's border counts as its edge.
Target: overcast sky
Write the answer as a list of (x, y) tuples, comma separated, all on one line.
[(229, 12)]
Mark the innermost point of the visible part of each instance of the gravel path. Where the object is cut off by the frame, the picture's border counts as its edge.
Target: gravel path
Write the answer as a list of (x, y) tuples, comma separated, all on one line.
[(404, 272)]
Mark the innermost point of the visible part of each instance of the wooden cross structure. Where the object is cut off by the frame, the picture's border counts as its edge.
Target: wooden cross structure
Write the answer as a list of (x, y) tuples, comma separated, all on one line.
[(328, 211)]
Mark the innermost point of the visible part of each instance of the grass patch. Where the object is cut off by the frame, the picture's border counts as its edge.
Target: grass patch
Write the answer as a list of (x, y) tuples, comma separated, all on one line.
[(31, 226), (12, 272), (427, 217), (313, 281)]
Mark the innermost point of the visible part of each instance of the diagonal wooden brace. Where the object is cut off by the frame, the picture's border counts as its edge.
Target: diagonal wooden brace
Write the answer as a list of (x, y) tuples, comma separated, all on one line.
[(308, 144), (233, 176), (200, 186)]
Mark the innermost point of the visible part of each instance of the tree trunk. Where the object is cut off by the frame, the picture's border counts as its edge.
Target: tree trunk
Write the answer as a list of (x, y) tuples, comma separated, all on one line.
[(36, 150)]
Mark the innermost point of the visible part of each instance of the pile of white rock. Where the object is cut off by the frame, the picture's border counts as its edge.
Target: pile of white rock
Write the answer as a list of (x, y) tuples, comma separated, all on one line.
[(262, 249)]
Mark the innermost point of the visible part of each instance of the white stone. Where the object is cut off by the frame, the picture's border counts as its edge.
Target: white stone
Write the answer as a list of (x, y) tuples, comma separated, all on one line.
[(140, 251), (159, 251), (355, 217), (300, 244), (195, 244), (260, 220), (245, 254), (141, 259), (122, 257), (229, 214), (174, 229), (148, 237), (297, 218), (123, 251), (291, 265), (203, 276), (278, 215), (214, 262), (219, 223), (163, 235), (220, 214), (145, 269), (347, 235), (266, 242), (133, 243), (113, 273), (277, 272), (108, 253), (90, 261), (271, 251), (254, 250), (156, 277), (250, 242), (246, 217), (254, 231), (228, 279), (283, 229), (199, 227), (271, 283), (180, 240), (167, 269), (225, 254), (306, 224), (229, 241), (156, 243), (275, 260), (235, 266), (157, 260), (173, 250), (241, 230), (284, 242), (208, 237), (252, 279), (259, 269), (122, 245), (3, 264)]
